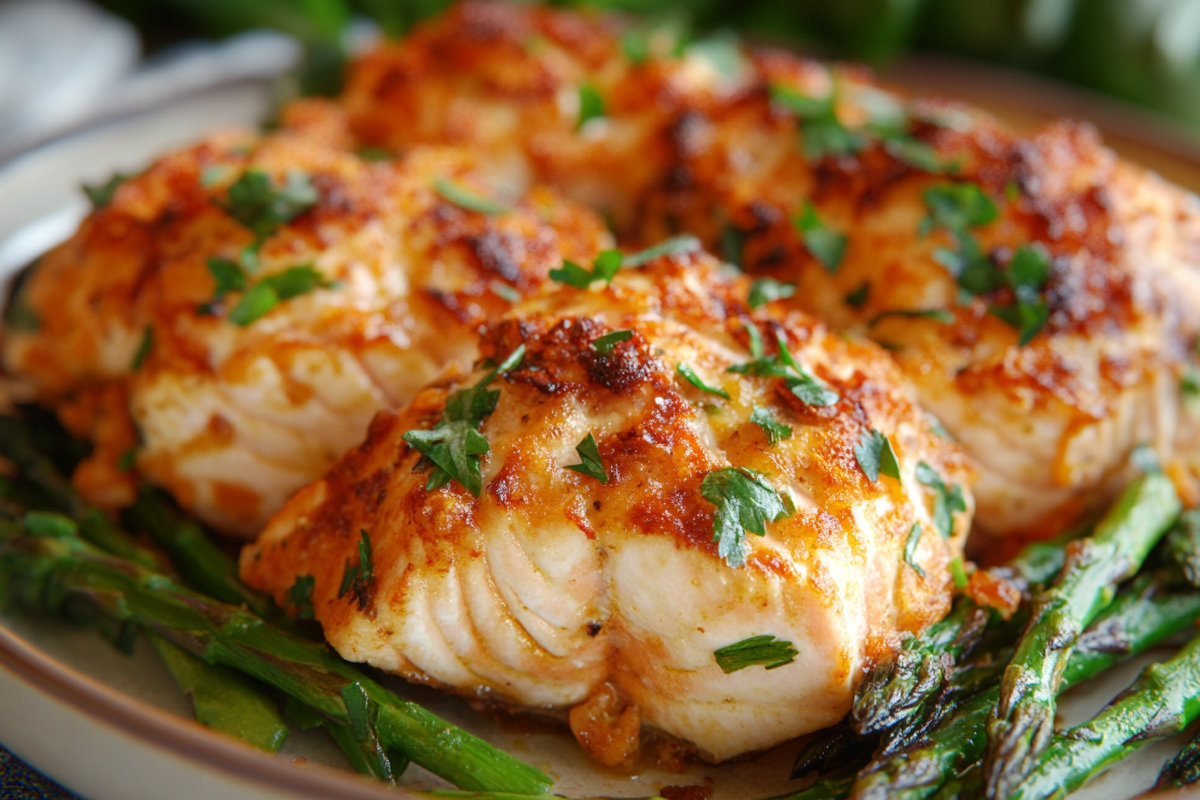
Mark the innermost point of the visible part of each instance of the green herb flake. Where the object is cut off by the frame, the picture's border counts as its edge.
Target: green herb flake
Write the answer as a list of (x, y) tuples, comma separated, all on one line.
[(361, 711), (374, 155), (300, 597), (269, 292), (689, 375), (910, 548), (590, 463), (128, 460), (733, 245), (591, 104), (676, 244), (604, 344), (228, 275), (767, 290), (455, 445), (466, 198), (876, 456), (916, 154), (604, 268), (858, 298), (947, 500), (774, 430), (765, 650), (958, 573), (505, 292), (357, 577), (958, 206), (262, 206), (1026, 275), (826, 245), (144, 348), (745, 502), (933, 314), (102, 194), (803, 385)]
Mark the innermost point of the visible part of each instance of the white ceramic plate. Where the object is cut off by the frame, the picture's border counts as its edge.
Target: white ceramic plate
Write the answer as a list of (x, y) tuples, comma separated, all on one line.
[(111, 727)]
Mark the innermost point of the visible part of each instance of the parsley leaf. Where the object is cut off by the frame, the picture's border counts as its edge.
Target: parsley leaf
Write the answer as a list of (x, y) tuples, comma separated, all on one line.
[(144, 349), (910, 548), (876, 456), (858, 298), (676, 244), (455, 444), (102, 194), (733, 245), (745, 502), (269, 292), (689, 375), (916, 153), (373, 155), (604, 344), (826, 245), (1027, 274), (300, 597), (604, 268), (958, 206), (774, 430), (262, 207), (958, 573), (767, 290), (590, 463), (946, 502), (505, 292), (765, 650), (822, 133), (591, 104), (463, 197), (228, 275), (935, 314), (804, 386), (127, 460), (358, 577)]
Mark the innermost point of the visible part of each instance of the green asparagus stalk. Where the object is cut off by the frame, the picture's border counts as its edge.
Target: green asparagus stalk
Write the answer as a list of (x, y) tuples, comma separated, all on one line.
[(18, 445), (1163, 701), (224, 700), (1183, 769), (896, 689), (201, 564), (832, 750), (1182, 546), (1146, 613), (967, 786), (1023, 723), (368, 757), (45, 573)]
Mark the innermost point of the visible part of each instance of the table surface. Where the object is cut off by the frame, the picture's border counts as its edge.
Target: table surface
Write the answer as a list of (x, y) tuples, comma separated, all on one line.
[(19, 781)]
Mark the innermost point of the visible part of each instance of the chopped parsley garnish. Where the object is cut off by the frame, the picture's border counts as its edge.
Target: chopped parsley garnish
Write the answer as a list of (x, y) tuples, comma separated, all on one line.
[(774, 430), (463, 197), (455, 445), (822, 133), (733, 245), (935, 314), (826, 245), (300, 597), (910, 548), (958, 206), (1026, 275), (917, 154), (767, 290), (356, 578), (262, 207), (374, 154), (604, 268), (143, 351), (689, 375), (102, 194), (858, 298), (269, 292), (127, 460), (958, 573), (604, 344), (591, 104), (946, 500), (229, 276), (765, 650), (676, 244), (745, 502), (652, 37), (590, 463), (804, 386), (876, 456)]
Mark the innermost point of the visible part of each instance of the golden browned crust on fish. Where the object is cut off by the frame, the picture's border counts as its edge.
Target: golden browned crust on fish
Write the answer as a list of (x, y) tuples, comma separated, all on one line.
[(552, 585)]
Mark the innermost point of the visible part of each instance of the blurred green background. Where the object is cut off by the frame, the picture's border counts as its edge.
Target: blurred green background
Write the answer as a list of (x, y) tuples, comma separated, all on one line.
[(1146, 52)]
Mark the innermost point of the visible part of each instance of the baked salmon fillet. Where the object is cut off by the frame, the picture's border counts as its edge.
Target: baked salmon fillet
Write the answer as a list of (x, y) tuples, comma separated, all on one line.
[(647, 508), (252, 301), (1039, 292)]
